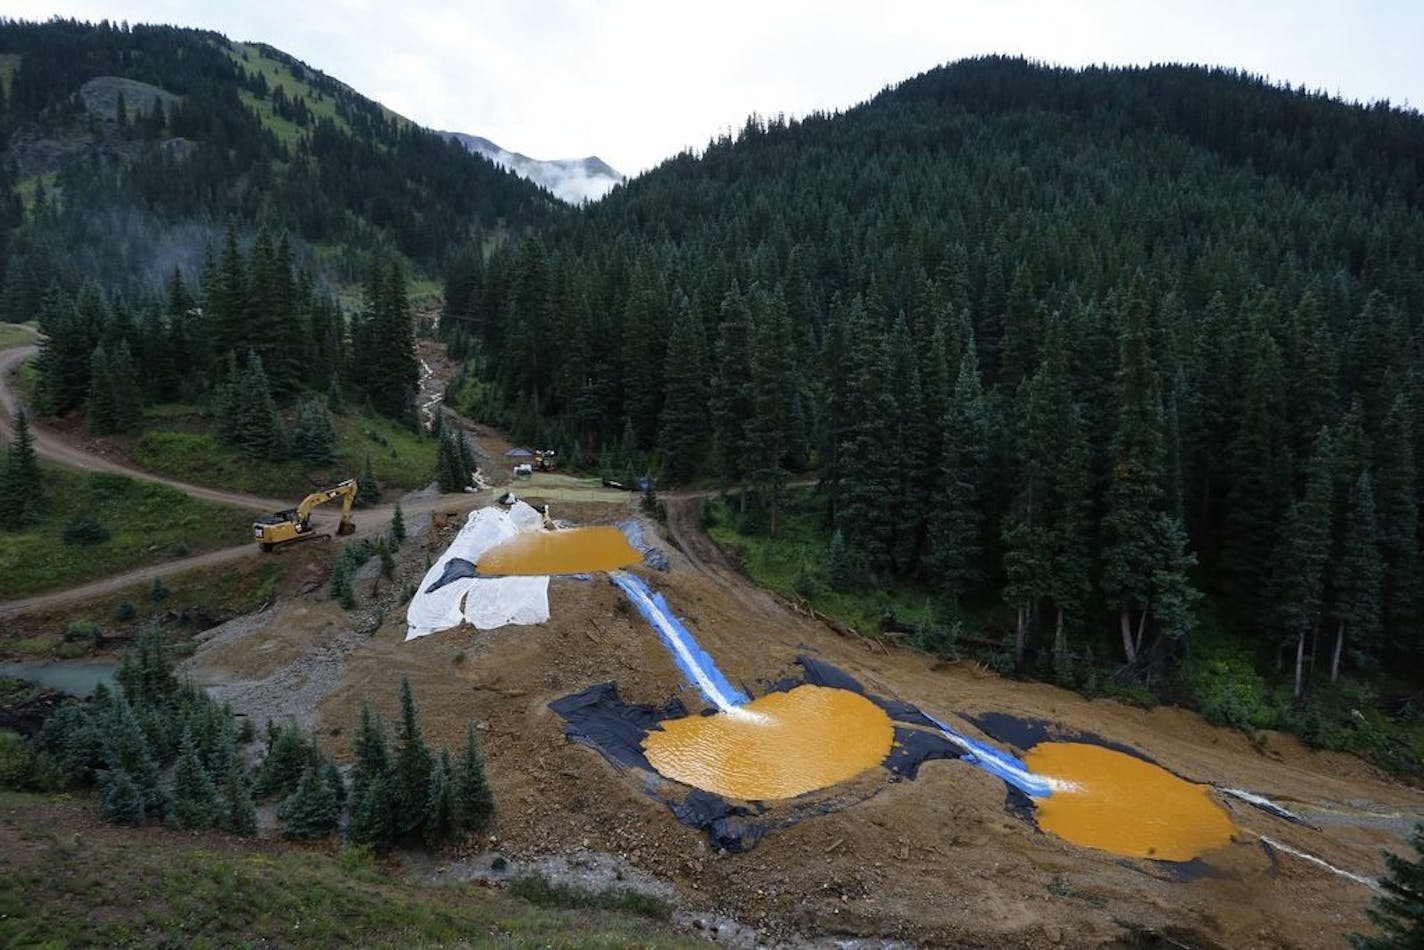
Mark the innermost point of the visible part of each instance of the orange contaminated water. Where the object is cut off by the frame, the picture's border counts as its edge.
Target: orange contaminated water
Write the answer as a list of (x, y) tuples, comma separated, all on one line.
[(1116, 802), (777, 746), (571, 551)]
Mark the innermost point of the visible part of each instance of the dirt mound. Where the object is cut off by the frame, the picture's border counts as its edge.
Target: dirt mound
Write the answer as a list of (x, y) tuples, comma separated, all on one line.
[(939, 861)]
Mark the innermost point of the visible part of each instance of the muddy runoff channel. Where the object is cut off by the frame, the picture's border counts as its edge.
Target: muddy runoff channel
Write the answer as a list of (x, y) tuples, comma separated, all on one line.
[(730, 764)]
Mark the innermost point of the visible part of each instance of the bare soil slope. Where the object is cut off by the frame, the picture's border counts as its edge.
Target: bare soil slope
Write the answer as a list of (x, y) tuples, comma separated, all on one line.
[(937, 861)]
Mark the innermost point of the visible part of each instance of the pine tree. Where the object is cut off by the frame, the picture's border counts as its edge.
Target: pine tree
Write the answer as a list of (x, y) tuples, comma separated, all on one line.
[(288, 753), (99, 407), (126, 393), (1357, 576), (1144, 553), (195, 801), (1399, 910), (1303, 552), (314, 435), (956, 520), (121, 801), (368, 490), (312, 811), (684, 433), (440, 807), (398, 533), (410, 773), (450, 471), (22, 497), (771, 392), (127, 751), (840, 567), (239, 815), (1396, 485), (1254, 504), (474, 800)]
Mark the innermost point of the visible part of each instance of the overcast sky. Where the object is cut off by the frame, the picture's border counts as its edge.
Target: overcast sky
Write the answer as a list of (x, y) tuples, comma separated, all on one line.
[(635, 81)]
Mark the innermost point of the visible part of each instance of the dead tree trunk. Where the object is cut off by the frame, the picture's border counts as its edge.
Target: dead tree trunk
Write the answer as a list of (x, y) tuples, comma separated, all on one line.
[(1129, 650), (1339, 647)]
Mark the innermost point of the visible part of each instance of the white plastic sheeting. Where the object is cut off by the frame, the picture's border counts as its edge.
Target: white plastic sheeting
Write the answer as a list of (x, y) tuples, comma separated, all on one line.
[(484, 602)]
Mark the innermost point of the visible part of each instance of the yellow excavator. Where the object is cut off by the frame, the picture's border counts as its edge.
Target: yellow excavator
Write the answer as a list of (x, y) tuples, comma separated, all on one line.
[(294, 524)]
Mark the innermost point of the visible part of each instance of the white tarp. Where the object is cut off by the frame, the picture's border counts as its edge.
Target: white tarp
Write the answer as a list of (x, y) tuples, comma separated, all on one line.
[(484, 602)]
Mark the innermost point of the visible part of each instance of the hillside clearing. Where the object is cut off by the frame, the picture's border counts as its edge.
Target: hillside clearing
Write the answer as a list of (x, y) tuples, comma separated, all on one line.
[(144, 523)]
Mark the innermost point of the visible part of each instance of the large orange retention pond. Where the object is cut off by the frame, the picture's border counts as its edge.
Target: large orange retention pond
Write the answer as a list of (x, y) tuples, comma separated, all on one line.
[(569, 551), (777, 746), (1116, 802)]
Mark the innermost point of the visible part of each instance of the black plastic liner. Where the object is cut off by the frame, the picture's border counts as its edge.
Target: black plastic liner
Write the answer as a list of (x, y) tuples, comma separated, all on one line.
[(1024, 734), (455, 569)]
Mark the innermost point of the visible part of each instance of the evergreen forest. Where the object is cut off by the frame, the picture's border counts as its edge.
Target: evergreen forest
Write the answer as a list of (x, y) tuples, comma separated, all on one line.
[(1120, 370), (1107, 363)]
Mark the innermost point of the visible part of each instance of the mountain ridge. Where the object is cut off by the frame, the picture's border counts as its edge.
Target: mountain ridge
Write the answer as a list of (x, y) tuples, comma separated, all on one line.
[(574, 180)]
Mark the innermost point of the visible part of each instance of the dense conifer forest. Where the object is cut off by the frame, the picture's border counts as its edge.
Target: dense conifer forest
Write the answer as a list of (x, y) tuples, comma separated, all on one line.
[(1109, 364), (1095, 357)]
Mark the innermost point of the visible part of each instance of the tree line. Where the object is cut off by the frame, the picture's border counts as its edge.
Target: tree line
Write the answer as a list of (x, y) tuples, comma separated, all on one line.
[(157, 749), (1085, 354)]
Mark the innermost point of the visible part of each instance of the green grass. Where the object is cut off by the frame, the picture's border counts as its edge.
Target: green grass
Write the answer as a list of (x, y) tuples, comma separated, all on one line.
[(64, 882), (278, 74), (178, 445), (288, 132), (794, 564), (27, 188), (14, 335), (146, 523), (26, 381), (541, 892)]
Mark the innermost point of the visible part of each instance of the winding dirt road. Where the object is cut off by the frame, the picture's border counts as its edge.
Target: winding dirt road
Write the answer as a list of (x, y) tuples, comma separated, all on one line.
[(55, 447)]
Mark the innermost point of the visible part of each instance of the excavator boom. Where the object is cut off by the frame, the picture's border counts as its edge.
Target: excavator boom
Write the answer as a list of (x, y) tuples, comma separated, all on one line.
[(294, 524)]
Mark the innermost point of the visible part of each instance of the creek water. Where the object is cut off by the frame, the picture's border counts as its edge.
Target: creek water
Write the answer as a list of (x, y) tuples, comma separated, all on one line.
[(73, 677), (1119, 803), (777, 746), (570, 551)]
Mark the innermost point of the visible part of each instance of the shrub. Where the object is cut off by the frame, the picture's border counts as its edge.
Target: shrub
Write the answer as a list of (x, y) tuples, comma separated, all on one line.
[(24, 767), (1230, 693), (84, 631), (84, 532), (159, 591), (126, 611)]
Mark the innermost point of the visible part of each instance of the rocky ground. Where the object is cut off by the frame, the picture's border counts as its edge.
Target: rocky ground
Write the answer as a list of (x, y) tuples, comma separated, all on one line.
[(935, 861)]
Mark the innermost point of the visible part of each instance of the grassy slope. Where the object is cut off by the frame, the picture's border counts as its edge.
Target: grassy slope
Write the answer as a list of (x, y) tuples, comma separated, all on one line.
[(176, 445), (794, 564), (278, 74), (65, 880), (147, 523), (12, 335), (9, 62)]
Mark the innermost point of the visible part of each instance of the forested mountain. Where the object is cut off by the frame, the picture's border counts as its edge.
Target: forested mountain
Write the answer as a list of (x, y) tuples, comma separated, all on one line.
[(574, 180), (133, 148), (179, 213), (1098, 353)]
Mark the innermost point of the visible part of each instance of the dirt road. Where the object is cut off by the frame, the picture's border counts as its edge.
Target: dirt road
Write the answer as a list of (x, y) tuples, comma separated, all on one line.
[(56, 448)]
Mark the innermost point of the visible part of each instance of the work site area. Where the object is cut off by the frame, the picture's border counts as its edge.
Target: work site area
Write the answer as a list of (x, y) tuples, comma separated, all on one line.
[(654, 723)]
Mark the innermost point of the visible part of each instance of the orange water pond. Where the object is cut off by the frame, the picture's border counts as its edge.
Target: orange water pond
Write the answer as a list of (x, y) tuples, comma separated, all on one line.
[(1117, 802), (777, 746), (570, 551)]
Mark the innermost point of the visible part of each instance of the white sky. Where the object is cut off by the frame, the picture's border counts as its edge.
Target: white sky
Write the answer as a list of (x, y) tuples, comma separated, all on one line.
[(636, 81)]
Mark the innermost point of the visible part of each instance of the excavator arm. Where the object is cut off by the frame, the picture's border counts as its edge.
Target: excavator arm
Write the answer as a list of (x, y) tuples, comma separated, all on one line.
[(294, 524)]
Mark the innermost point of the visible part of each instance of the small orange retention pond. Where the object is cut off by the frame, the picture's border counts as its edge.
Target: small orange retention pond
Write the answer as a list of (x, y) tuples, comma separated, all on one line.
[(777, 746), (1116, 802), (570, 551)]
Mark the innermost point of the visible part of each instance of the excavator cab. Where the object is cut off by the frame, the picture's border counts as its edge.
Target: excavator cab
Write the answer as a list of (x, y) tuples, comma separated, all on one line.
[(294, 524)]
